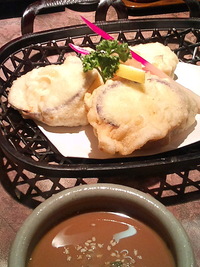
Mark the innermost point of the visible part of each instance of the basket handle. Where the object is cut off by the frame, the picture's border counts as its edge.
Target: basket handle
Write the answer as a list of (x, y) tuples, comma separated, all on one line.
[(101, 7), (79, 5), (35, 8)]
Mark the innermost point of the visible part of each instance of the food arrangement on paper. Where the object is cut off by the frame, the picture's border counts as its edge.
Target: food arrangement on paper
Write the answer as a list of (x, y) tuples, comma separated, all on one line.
[(114, 101)]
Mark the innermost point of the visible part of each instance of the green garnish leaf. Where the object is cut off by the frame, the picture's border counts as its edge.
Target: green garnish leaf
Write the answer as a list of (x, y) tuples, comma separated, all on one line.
[(106, 58), (113, 46)]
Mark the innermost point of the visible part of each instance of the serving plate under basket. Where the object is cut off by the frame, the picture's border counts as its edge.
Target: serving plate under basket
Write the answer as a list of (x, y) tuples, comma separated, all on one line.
[(22, 141)]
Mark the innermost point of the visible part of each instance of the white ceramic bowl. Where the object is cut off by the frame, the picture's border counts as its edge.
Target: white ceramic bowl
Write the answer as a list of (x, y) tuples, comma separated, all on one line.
[(101, 197)]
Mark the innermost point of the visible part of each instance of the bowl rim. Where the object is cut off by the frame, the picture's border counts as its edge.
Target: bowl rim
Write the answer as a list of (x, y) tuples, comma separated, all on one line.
[(184, 251)]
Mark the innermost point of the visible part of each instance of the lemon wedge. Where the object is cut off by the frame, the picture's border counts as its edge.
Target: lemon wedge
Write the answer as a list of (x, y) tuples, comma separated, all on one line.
[(131, 73)]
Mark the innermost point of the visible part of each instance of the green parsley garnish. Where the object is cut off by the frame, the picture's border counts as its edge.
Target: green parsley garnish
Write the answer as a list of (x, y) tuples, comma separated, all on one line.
[(106, 58)]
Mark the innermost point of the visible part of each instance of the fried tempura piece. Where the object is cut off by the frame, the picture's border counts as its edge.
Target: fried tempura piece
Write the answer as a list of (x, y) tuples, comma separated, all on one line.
[(159, 55), (127, 115), (54, 94)]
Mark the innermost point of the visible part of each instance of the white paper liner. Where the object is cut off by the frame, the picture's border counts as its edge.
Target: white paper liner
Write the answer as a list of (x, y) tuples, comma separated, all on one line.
[(81, 142)]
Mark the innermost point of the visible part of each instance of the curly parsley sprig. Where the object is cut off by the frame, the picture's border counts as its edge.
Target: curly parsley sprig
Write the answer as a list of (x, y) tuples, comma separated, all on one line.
[(106, 58)]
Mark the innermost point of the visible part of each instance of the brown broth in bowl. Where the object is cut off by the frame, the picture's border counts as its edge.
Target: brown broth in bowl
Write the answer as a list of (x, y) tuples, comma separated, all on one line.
[(100, 239)]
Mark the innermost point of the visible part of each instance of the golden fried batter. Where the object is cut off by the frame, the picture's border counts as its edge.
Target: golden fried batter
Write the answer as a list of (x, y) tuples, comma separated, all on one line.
[(159, 55), (126, 115), (54, 94)]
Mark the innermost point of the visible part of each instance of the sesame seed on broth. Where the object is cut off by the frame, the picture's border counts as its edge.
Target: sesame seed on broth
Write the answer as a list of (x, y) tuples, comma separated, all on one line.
[(101, 239)]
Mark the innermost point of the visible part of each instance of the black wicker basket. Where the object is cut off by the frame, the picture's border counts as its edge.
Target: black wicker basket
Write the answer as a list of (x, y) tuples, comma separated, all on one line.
[(24, 145)]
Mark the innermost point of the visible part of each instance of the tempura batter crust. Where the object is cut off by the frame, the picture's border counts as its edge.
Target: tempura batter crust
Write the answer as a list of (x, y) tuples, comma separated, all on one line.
[(54, 94), (159, 55), (126, 115)]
